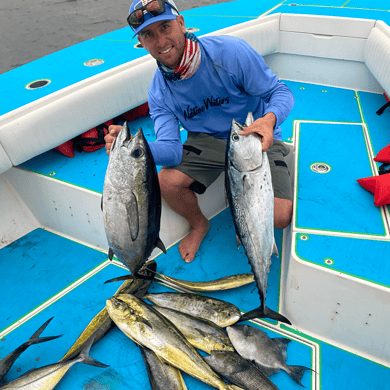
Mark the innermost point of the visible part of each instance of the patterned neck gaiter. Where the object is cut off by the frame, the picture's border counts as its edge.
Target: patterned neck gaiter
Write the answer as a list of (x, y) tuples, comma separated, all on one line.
[(189, 62)]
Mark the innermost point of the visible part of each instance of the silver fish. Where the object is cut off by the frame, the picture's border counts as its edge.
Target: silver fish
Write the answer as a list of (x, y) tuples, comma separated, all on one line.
[(201, 333), (47, 377), (145, 326), (162, 376), (251, 200), (8, 361), (131, 201), (220, 312), (268, 354), (240, 371)]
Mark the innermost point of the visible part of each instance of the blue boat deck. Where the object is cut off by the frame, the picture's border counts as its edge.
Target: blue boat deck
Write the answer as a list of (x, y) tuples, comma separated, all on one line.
[(339, 228)]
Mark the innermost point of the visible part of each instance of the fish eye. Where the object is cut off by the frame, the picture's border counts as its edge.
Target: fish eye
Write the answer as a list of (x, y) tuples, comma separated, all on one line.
[(235, 137), (132, 312), (137, 153)]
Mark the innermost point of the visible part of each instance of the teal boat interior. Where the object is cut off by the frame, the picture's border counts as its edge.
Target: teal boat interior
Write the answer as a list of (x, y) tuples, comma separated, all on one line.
[(331, 278)]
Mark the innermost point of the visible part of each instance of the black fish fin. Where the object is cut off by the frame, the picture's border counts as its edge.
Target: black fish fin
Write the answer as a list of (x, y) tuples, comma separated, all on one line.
[(296, 373), (282, 343), (159, 244), (101, 204), (84, 355), (263, 313), (110, 254), (132, 216), (125, 277)]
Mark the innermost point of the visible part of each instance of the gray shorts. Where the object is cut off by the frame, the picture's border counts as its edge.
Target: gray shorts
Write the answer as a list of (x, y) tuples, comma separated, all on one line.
[(204, 160)]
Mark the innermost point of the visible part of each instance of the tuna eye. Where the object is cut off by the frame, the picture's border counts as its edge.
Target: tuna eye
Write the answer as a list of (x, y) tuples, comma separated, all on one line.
[(137, 153), (235, 137)]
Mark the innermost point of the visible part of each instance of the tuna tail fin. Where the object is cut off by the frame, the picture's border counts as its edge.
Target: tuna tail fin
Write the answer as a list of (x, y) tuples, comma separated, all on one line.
[(265, 312), (296, 373)]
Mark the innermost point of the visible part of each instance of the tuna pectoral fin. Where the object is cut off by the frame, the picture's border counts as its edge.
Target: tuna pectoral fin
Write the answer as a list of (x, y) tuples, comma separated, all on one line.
[(132, 216), (296, 373), (263, 313)]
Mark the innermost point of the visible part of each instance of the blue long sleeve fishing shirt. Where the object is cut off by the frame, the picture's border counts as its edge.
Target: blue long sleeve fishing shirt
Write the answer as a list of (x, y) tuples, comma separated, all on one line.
[(232, 79)]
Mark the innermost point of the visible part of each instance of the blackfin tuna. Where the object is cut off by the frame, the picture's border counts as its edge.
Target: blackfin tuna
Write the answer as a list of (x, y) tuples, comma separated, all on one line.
[(131, 201)]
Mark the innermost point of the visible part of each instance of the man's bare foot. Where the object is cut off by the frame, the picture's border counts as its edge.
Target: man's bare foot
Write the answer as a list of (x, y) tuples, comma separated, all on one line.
[(190, 244)]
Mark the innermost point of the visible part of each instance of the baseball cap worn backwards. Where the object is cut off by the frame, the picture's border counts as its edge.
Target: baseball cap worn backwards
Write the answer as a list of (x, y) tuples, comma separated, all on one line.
[(145, 12)]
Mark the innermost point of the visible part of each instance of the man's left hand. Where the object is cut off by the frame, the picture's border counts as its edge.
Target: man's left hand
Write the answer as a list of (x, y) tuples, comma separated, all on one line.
[(265, 128)]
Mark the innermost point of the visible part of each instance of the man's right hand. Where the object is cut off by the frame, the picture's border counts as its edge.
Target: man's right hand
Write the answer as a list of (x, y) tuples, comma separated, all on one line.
[(109, 138)]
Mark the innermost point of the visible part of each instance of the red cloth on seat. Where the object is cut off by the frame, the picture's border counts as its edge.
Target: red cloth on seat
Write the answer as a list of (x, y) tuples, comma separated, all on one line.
[(383, 155)]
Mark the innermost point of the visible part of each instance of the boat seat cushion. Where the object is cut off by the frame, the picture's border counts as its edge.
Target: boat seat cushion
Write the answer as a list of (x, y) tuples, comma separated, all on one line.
[(5, 162), (377, 54)]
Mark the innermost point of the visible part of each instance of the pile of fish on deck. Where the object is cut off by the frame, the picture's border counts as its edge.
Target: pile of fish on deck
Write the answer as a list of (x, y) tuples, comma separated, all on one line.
[(172, 330)]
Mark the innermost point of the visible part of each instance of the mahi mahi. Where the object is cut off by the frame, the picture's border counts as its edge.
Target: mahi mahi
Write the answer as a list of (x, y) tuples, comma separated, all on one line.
[(131, 201), (145, 326), (225, 283), (201, 333), (251, 200), (220, 312)]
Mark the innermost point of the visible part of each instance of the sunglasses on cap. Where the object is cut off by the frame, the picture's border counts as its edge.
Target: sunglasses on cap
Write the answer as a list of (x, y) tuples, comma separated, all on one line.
[(155, 8)]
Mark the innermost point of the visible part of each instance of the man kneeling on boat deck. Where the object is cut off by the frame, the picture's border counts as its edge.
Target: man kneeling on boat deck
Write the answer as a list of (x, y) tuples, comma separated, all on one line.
[(203, 83)]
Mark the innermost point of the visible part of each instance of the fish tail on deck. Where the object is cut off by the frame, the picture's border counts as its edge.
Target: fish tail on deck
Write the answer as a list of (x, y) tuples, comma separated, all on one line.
[(296, 373), (35, 339), (263, 312)]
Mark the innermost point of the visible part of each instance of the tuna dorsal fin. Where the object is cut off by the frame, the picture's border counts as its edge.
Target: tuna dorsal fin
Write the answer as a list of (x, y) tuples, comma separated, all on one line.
[(159, 244), (282, 343), (275, 249), (132, 216)]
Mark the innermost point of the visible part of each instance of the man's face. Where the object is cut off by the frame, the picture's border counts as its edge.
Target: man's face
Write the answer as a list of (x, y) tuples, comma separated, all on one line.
[(165, 41)]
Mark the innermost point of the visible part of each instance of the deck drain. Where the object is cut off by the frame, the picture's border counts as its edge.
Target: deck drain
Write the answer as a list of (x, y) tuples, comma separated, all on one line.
[(138, 46), (38, 84), (303, 237), (328, 261), (94, 62), (192, 29), (52, 173), (320, 168)]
